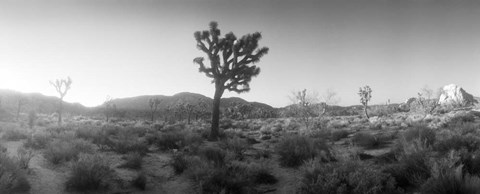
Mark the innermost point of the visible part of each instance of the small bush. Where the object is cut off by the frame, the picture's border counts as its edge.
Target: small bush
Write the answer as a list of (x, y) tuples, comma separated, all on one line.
[(339, 134), (23, 157), (344, 177), (215, 155), (368, 140), (170, 140), (37, 141), (12, 179), (236, 145), (294, 150), (423, 133), (14, 134), (133, 161), (411, 170), (140, 181), (454, 181), (179, 162), (61, 150), (457, 142), (90, 172)]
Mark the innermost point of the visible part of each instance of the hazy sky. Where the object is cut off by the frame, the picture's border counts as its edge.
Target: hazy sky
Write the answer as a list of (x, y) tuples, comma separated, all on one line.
[(126, 48)]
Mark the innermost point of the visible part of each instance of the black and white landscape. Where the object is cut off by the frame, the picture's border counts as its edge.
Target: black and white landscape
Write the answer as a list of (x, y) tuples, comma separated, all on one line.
[(240, 96)]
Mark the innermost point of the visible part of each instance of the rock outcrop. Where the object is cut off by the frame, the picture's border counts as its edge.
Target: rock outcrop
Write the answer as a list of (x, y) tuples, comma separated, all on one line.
[(456, 96)]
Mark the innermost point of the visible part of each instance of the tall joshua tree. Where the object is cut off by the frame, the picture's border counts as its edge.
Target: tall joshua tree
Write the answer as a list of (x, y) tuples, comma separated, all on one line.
[(231, 64), (365, 94), (153, 103), (61, 86)]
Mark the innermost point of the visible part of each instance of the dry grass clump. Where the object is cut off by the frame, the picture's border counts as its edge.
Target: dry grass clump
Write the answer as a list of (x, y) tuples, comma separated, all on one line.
[(368, 140), (344, 177), (14, 134), (133, 161), (89, 172), (12, 178), (38, 141), (62, 150), (296, 149)]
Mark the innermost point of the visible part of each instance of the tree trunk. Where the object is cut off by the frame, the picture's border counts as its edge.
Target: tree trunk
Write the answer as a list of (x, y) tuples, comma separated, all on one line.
[(216, 112), (153, 113), (365, 110), (18, 111), (188, 121), (60, 112)]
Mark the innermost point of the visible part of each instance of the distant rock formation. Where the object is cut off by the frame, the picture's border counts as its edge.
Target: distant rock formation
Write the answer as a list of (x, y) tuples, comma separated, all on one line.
[(456, 96)]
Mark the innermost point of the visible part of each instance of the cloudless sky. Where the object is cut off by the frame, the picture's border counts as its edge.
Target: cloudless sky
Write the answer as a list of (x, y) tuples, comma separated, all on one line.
[(125, 48)]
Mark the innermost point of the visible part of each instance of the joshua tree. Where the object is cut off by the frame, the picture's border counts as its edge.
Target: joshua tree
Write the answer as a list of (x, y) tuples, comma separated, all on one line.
[(153, 103), (230, 60), (61, 86), (110, 108), (365, 94)]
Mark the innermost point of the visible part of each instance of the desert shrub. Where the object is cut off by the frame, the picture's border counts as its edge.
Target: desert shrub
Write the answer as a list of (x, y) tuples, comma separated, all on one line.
[(89, 172), (126, 145), (453, 181), (179, 162), (421, 132), (32, 116), (177, 140), (133, 161), (368, 140), (344, 177), (23, 157), (12, 179), (462, 118), (339, 134), (214, 155), (294, 150), (61, 150), (261, 173), (457, 142), (411, 170), (170, 140), (14, 134), (37, 141), (471, 162), (236, 145), (140, 181), (88, 132), (59, 129)]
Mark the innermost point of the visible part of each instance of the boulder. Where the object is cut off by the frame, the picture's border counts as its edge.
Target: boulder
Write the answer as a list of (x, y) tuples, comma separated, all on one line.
[(456, 96)]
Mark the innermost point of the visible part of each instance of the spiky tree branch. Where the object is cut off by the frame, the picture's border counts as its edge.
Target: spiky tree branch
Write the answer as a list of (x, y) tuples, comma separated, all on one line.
[(61, 86)]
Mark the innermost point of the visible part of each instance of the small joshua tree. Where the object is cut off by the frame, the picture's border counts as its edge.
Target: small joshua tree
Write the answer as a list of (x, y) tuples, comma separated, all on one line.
[(153, 103), (230, 60), (61, 86), (32, 116), (365, 94)]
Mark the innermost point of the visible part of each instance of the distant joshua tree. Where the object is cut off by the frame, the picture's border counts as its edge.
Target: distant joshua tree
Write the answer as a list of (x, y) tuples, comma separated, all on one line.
[(21, 101), (110, 108), (61, 86), (230, 60), (365, 94), (153, 103)]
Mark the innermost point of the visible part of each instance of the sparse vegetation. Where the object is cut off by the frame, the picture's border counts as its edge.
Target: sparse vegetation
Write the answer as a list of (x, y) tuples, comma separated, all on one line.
[(295, 150)]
